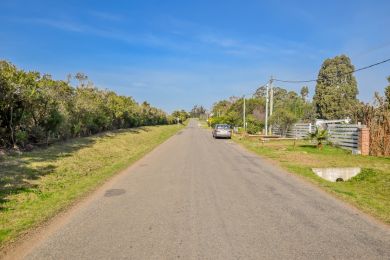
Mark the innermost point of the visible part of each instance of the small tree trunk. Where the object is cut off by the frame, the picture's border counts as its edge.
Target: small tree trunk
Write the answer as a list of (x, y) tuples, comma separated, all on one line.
[(47, 138), (11, 127)]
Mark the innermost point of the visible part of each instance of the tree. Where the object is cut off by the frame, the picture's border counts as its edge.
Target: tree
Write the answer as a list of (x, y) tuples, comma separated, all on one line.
[(279, 93), (304, 92), (336, 89), (283, 119), (253, 125), (81, 77), (197, 111), (182, 115), (221, 107), (288, 108)]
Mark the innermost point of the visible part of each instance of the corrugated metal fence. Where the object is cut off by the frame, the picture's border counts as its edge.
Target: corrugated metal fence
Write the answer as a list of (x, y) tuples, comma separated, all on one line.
[(343, 135), (300, 130)]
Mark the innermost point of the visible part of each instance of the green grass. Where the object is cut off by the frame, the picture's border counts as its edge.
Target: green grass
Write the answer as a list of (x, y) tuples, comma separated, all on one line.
[(368, 191), (34, 186)]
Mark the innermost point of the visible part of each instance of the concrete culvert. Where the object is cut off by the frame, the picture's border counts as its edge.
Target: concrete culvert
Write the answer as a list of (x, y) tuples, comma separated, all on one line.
[(337, 174)]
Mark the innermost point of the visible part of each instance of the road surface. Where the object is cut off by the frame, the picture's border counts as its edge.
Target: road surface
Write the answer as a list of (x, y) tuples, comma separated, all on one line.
[(194, 197)]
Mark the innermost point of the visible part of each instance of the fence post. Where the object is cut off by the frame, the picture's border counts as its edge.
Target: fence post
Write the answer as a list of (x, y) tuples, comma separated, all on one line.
[(364, 140)]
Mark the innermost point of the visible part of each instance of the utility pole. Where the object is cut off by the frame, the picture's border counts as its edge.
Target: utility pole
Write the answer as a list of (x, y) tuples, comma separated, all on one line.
[(266, 110), (244, 119), (271, 106)]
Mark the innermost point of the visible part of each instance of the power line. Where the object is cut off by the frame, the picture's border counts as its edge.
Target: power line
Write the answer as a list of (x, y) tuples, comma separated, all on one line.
[(346, 73)]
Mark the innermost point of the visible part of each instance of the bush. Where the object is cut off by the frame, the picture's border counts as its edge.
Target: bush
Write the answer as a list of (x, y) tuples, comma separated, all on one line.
[(21, 137), (35, 107), (320, 135), (283, 119), (253, 126)]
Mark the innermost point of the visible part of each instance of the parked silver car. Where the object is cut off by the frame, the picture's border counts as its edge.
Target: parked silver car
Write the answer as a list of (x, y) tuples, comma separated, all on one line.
[(222, 130)]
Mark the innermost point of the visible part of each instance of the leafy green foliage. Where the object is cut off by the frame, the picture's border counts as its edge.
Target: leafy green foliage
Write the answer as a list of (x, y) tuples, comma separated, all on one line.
[(320, 135), (218, 120), (254, 126), (283, 119), (34, 108), (289, 108), (336, 89), (290, 101), (198, 112), (231, 111), (182, 115), (304, 92)]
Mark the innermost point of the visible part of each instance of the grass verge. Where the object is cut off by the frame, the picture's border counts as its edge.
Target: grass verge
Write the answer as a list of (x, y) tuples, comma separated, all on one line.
[(34, 186), (368, 191)]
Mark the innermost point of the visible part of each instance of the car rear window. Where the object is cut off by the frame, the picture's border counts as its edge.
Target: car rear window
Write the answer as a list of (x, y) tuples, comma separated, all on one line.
[(223, 127)]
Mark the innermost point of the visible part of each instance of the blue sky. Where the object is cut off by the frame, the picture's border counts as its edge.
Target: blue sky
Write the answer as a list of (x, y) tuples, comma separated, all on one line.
[(175, 54)]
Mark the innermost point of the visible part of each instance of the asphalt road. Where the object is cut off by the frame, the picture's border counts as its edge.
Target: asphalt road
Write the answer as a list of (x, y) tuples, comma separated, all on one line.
[(198, 198)]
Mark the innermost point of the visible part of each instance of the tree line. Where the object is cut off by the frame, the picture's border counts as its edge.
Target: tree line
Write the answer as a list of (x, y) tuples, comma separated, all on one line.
[(37, 109)]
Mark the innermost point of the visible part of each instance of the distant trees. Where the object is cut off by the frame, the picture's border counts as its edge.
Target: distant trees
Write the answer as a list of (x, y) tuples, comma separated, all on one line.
[(180, 115), (34, 108), (197, 111), (336, 90), (283, 119), (231, 112), (304, 92), (289, 107), (221, 107), (82, 78)]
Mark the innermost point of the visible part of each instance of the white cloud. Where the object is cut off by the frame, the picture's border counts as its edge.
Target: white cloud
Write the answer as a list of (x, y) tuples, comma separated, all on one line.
[(58, 24), (106, 16)]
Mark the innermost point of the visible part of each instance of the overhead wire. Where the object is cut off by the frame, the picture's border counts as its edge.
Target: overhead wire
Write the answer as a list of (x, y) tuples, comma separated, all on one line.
[(334, 76)]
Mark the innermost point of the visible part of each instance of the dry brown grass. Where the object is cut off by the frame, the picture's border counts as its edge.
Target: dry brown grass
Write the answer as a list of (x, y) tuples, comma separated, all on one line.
[(377, 119)]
